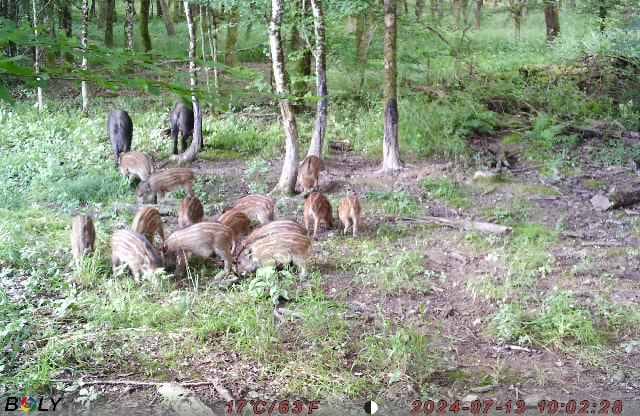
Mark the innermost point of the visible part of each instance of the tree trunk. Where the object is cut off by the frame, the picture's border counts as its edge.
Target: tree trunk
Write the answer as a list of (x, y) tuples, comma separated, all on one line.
[(419, 9), (288, 177), (197, 141), (478, 13), (166, 17), (83, 45), (233, 20), (205, 66), (129, 24), (102, 12), (320, 127), (159, 9), (109, 6), (551, 19), (390, 148), (144, 24), (177, 11), (457, 12), (36, 60), (12, 14), (602, 15), (66, 19), (213, 45), (516, 7), (465, 12), (92, 14)]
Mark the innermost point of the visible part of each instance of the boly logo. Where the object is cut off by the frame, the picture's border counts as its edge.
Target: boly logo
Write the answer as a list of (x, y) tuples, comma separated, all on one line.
[(27, 404)]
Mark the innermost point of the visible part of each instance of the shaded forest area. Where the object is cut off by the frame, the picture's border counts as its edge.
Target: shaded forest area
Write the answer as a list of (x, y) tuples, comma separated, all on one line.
[(492, 147)]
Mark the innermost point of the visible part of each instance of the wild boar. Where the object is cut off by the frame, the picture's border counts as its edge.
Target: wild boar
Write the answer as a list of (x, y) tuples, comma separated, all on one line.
[(120, 129), (181, 124), (282, 242), (202, 239), (148, 223), (134, 250), (167, 180), (239, 223), (309, 173), (317, 208), (257, 207), (190, 211), (83, 237), (136, 164), (349, 212)]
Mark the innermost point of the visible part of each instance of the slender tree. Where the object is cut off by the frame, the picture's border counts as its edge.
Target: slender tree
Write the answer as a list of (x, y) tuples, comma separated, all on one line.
[(516, 7), (164, 11), (196, 144), (92, 14), (129, 22), (288, 177), (144, 24), (37, 56), (83, 44), (552, 19), (109, 9), (205, 66), (390, 147), (213, 45), (233, 20), (478, 13), (419, 9), (320, 126)]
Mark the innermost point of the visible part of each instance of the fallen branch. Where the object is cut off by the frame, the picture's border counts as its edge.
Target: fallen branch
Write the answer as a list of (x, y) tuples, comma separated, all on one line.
[(129, 383), (465, 224)]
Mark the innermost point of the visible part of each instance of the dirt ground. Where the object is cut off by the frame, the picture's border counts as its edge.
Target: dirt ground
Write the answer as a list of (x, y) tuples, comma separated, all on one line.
[(452, 315)]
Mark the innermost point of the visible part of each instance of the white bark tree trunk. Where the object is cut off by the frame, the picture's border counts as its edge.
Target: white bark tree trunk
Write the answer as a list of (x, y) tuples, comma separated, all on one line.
[(202, 46), (390, 147), (213, 46), (83, 45), (129, 24), (36, 63), (320, 127), (288, 177), (197, 141)]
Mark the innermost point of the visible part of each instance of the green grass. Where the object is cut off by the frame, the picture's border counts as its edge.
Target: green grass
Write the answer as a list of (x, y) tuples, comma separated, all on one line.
[(447, 191), (395, 203)]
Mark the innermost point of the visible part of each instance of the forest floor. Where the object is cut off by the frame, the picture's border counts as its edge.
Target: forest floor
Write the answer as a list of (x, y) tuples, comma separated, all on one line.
[(408, 311)]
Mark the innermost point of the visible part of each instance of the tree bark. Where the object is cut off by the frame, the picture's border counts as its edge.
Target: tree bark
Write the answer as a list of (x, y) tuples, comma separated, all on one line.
[(201, 16), (109, 8), (478, 13), (36, 60), (197, 141), (163, 11), (129, 23), (419, 9), (602, 15), (159, 9), (83, 45), (551, 19), (320, 126), (66, 19), (465, 12), (213, 45), (92, 14), (233, 20), (177, 11), (144, 24), (288, 177), (391, 147)]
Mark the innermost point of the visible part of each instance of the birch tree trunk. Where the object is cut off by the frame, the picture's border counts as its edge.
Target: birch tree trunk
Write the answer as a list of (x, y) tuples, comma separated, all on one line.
[(144, 24), (390, 148), (166, 17), (320, 127), (288, 177), (201, 16), (129, 24), (36, 60), (83, 45), (213, 45), (196, 143)]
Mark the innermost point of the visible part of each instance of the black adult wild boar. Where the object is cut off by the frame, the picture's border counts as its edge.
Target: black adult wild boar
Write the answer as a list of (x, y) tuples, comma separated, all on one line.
[(120, 128), (181, 124)]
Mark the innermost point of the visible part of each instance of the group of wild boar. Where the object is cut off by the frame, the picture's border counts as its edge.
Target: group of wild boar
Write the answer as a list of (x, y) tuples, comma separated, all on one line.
[(229, 236)]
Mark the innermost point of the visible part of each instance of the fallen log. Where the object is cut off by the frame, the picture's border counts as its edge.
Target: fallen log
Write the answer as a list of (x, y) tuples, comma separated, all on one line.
[(462, 223), (182, 401), (617, 198)]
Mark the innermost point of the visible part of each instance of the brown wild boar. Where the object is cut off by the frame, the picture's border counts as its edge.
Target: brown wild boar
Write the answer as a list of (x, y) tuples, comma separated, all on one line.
[(136, 164), (257, 207), (83, 237), (148, 223), (349, 212), (282, 242), (190, 212), (202, 239), (239, 223), (167, 180), (309, 173), (317, 208), (134, 250)]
